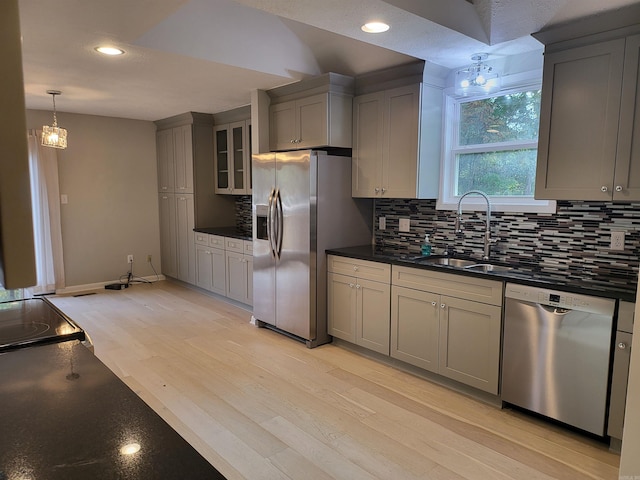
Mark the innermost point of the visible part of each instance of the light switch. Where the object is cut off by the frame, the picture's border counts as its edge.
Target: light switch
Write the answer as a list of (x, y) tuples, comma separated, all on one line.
[(382, 223), (405, 225), (64, 199)]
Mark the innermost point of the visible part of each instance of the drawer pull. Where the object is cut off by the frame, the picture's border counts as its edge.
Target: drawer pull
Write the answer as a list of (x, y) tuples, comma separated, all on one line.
[(622, 345)]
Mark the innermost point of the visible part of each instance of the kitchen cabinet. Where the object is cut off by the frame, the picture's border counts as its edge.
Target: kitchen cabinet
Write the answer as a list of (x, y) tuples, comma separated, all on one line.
[(186, 187), (168, 245), (210, 263), (239, 266), (448, 324), (232, 158), (177, 251), (313, 113), (589, 144), (396, 142), (322, 120), (358, 302)]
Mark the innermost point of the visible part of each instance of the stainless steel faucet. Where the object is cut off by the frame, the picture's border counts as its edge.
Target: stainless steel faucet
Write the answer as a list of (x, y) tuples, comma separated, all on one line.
[(487, 230)]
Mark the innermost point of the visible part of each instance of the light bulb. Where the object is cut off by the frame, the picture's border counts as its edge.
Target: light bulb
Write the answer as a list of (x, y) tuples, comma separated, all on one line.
[(464, 83), (480, 80)]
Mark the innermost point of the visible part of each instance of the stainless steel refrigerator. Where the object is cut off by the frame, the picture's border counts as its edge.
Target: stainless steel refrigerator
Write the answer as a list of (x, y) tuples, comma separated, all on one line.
[(302, 206)]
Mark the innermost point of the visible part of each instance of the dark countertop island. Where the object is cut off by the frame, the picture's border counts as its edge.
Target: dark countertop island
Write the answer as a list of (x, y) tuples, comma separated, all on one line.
[(517, 274), (65, 415)]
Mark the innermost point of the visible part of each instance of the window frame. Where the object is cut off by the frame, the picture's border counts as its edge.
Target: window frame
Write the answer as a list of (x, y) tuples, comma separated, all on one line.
[(447, 199)]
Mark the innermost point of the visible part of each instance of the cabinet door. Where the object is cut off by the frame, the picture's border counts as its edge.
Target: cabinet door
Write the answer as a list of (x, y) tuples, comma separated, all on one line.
[(312, 121), (183, 153), (185, 241), (282, 126), (414, 327), (204, 267), (237, 159), (222, 159), (219, 271), (248, 150), (168, 245), (400, 155), (579, 114), (470, 343), (627, 173), (237, 277), (166, 174), (249, 260), (366, 175), (341, 306), (373, 315)]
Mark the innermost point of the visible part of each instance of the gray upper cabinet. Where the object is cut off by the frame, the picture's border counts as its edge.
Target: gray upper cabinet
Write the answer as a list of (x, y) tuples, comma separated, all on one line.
[(589, 125), (314, 113), (396, 141), (232, 157)]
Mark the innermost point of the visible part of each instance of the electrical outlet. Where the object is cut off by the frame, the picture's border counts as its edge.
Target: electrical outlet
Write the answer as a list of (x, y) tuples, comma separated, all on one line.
[(405, 225), (617, 241), (382, 223), (149, 258), (129, 258)]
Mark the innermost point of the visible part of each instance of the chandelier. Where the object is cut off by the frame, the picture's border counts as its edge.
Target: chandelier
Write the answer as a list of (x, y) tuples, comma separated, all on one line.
[(54, 136), (477, 79)]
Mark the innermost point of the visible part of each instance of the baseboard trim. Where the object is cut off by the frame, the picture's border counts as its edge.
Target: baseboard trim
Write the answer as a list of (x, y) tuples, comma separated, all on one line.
[(96, 286)]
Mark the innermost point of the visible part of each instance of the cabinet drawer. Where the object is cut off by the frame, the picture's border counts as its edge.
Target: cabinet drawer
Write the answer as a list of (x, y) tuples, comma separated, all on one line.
[(234, 245), (248, 247), (379, 272), (459, 286), (202, 238), (216, 241)]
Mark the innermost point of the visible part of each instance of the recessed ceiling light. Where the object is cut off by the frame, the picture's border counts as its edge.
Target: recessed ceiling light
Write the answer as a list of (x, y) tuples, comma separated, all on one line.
[(375, 27), (109, 50)]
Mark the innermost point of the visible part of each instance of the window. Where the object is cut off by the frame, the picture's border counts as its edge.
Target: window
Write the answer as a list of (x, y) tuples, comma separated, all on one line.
[(491, 145)]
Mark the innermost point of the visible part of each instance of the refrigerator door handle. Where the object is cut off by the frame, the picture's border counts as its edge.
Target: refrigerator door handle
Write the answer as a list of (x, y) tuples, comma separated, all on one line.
[(270, 222), (280, 225)]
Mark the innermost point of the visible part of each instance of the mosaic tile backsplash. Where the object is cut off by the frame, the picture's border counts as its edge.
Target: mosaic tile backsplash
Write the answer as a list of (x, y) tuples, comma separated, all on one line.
[(243, 213), (572, 243)]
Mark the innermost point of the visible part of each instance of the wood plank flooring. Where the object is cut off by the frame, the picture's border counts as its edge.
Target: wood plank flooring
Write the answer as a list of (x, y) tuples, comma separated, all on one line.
[(259, 405)]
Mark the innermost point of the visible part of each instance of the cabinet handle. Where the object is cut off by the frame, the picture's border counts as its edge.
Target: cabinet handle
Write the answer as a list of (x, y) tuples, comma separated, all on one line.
[(351, 285), (442, 305), (384, 189), (434, 303), (355, 268), (622, 345), (603, 188), (358, 286), (377, 190), (618, 188)]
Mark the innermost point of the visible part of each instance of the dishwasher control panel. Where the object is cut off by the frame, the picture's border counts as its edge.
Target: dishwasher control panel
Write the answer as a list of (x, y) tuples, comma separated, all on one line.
[(564, 300)]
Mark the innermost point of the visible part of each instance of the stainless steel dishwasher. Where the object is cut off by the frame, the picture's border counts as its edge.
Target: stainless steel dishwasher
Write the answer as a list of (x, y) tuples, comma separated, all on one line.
[(556, 354)]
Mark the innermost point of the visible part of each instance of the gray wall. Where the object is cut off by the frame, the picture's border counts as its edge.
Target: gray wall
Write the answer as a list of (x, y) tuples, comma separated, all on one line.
[(109, 174)]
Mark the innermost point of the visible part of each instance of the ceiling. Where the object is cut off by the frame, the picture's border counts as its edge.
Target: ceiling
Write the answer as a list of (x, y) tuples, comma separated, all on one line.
[(207, 55)]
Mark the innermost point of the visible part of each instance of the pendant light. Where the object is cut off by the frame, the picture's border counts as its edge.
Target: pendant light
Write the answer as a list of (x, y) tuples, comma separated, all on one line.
[(477, 79), (54, 136)]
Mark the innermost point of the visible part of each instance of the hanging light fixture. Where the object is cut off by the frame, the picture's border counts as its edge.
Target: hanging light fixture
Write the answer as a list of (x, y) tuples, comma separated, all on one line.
[(477, 79), (54, 136)]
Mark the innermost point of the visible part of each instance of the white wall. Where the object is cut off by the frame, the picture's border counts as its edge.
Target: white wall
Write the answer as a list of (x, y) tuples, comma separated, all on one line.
[(109, 174)]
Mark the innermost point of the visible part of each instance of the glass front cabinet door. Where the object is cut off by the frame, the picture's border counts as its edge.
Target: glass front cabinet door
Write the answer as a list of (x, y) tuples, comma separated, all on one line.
[(232, 150)]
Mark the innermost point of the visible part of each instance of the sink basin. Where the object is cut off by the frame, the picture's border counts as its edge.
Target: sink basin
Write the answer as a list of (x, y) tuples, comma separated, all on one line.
[(451, 262), (465, 263), (488, 267)]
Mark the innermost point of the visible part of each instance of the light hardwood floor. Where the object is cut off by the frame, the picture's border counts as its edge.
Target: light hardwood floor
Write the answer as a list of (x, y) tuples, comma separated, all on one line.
[(259, 405)]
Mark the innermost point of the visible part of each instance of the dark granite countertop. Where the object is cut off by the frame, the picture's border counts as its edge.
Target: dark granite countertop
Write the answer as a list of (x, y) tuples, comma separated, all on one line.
[(65, 415), (231, 232), (515, 275)]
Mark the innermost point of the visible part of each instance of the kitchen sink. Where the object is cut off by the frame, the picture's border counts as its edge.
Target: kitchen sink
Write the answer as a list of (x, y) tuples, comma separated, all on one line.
[(465, 263)]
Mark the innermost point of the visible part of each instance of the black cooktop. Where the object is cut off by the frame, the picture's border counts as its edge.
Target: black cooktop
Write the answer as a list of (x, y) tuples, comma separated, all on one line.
[(34, 321)]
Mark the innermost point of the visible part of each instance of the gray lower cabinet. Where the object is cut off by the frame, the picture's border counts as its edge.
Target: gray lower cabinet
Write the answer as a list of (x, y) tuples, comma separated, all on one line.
[(210, 263), (358, 304), (239, 277), (450, 335)]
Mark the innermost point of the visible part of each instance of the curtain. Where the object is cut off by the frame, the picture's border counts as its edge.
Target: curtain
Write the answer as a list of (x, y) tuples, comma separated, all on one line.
[(45, 195)]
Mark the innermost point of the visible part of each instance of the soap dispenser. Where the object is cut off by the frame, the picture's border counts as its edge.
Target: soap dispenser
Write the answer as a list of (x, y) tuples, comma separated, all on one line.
[(426, 246)]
